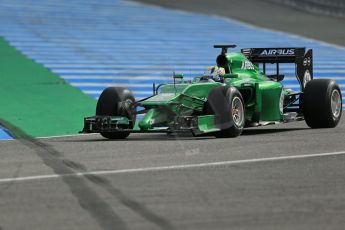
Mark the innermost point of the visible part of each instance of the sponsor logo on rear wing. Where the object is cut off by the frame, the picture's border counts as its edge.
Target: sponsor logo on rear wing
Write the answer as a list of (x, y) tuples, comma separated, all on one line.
[(263, 53), (302, 58), (276, 52)]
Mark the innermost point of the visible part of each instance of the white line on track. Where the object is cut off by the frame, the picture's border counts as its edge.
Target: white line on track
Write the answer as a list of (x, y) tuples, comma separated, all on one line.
[(171, 167)]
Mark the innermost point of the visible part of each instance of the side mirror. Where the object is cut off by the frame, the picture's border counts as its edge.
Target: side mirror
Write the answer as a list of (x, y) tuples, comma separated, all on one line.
[(178, 76)]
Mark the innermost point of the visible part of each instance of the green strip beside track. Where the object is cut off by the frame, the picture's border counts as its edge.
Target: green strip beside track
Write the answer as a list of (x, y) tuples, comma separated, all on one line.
[(36, 100)]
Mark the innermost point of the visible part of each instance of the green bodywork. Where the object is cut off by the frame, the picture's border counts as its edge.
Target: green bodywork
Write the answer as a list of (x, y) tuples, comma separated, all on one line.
[(262, 96)]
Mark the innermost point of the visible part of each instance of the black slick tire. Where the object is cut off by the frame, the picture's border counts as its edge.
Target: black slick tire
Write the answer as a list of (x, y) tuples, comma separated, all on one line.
[(322, 103), (108, 105), (227, 104)]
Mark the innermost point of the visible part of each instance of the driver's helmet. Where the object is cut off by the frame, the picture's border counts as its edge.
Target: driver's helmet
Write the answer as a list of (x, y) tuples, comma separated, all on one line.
[(214, 72)]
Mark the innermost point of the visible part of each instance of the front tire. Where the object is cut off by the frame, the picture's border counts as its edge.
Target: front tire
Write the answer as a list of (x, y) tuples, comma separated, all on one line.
[(227, 104), (322, 103), (107, 105)]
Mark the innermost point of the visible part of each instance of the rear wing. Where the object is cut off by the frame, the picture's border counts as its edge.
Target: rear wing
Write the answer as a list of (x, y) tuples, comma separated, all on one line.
[(302, 59)]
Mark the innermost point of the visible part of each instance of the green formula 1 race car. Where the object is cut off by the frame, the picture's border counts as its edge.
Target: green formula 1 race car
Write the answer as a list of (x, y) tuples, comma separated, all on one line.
[(229, 97)]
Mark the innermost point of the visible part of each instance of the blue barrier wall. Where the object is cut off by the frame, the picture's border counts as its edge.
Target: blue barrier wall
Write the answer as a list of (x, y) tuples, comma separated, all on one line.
[(4, 135)]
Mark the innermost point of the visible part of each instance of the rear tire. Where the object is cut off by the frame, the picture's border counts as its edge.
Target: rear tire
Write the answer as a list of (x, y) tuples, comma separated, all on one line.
[(227, 104), (107, 105), (322, 103)]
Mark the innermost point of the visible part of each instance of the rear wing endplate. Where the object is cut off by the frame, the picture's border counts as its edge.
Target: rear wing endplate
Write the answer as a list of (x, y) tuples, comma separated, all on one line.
[(303, 60)]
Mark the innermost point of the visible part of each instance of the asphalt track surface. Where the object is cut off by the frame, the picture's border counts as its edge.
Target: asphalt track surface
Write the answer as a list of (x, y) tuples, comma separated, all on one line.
[(263, 179), (267, 14)]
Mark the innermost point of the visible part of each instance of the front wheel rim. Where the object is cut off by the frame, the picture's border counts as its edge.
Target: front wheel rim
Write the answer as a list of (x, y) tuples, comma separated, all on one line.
[(237, 111), (335, 103)]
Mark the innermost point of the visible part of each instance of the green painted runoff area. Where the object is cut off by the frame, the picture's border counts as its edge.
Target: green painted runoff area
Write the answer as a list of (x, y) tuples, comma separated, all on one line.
[(36, 100)]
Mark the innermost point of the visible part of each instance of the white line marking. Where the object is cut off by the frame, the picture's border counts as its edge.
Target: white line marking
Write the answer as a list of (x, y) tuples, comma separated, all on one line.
[(171, 167)]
